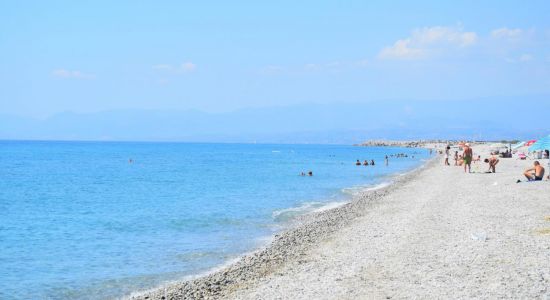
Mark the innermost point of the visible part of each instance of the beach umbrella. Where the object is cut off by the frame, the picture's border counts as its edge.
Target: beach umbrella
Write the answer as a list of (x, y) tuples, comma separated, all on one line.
[(529, 143), (541, 144), (518, 145)]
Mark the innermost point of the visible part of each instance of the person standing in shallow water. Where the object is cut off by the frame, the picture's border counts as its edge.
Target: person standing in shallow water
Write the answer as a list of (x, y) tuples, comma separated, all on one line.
[(386, 160)]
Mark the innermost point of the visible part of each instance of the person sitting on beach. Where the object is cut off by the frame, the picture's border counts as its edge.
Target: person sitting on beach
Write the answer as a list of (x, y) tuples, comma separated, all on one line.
[(372, 162), (535, 173), (358, 163), (493, 161), (365, 163)]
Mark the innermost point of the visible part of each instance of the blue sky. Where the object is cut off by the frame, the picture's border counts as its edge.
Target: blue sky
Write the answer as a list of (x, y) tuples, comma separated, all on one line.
[(218, 56)]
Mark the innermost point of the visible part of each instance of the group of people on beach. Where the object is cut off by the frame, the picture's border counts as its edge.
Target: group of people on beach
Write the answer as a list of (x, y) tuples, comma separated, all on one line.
[(467, 158), (536, 173)]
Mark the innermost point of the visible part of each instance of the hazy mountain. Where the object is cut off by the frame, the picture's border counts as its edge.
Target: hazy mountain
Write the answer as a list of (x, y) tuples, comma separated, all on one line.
[(490, 118)]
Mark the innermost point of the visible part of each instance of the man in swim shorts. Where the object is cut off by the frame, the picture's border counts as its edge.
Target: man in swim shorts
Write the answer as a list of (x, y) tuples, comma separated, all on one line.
[(467, 156), (535, 173)]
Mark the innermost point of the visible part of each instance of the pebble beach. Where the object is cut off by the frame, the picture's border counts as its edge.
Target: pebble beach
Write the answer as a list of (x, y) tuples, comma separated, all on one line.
[(436, 232)]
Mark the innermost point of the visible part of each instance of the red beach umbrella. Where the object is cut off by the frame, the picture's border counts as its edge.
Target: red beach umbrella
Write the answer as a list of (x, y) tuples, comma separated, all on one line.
[(529, 143)]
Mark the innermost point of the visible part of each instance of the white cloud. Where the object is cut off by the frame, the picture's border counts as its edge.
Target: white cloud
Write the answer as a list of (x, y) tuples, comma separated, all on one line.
[(427, 41), (505, 33), (402, 49), (63, 73)]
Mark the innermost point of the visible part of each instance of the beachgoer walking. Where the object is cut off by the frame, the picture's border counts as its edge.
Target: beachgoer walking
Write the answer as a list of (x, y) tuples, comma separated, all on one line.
[(447, 150), (467, 156)]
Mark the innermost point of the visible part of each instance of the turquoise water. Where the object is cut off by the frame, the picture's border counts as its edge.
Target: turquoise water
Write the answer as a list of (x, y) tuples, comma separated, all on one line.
[(78, 220)]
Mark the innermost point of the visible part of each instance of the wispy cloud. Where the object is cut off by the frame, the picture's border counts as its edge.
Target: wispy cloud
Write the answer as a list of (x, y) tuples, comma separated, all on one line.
[(506, 33), (428, 41), (515, 45), (185, 67), (64, 73)]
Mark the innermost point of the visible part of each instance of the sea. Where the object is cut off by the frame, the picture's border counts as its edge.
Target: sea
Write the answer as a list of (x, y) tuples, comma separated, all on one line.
[(100, 220)]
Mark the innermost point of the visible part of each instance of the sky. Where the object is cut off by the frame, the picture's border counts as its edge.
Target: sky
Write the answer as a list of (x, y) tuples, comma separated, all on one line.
[(222, 56)]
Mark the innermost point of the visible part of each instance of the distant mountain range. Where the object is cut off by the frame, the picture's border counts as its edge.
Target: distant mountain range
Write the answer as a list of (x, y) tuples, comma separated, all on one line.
[(481, 119)]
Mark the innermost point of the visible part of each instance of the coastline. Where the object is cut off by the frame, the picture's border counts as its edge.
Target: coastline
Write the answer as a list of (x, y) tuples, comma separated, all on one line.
[(290, 244), (445, 234)]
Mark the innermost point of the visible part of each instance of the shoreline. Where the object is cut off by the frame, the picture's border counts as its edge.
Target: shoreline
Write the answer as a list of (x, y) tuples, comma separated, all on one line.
[(445, 234), (290, 244)]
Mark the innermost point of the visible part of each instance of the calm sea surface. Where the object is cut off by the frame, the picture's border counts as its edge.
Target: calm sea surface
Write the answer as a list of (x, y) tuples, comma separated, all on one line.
[(80, 220)]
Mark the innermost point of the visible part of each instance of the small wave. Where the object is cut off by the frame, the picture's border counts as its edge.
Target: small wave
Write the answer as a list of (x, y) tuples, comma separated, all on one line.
[(356, 190), (306, 208)]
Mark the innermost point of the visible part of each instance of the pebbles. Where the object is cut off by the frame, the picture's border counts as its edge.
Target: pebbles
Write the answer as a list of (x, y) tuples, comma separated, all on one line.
[(444, 234), (286, 246)]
